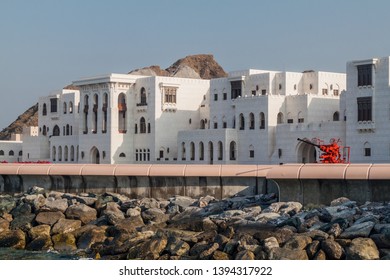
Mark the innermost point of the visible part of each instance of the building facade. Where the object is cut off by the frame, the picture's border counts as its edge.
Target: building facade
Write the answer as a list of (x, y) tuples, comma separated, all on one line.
[(249, 117)]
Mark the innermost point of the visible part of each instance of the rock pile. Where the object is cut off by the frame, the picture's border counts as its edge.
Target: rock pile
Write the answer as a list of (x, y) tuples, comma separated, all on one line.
[(113, 226)]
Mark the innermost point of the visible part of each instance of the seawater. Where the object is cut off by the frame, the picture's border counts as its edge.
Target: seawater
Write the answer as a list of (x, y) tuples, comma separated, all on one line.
[(14, 254)]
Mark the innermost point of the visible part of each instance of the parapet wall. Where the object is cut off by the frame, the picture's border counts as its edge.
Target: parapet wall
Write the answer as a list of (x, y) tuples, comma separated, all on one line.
[(305, 183)]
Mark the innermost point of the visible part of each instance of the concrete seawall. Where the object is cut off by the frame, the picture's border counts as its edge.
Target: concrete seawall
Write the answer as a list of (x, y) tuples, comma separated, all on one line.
[(305, 183)]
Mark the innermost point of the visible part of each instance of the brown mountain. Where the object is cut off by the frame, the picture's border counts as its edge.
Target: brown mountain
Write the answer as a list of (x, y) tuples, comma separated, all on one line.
[(28, 118), (193, 66)]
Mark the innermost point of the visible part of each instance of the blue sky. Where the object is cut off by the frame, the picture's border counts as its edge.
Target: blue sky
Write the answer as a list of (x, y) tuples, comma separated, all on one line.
[(47, 44)]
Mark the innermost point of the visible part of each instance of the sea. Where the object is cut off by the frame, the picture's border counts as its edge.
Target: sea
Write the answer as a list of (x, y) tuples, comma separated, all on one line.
[(15, 254)]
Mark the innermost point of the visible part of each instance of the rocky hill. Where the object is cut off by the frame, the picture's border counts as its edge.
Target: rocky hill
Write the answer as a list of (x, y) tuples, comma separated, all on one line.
[(28, 118), (194, 66)]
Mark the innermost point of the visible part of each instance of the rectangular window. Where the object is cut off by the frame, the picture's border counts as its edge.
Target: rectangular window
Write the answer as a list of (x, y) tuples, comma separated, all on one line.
[(236, 89), (253, 92), (263, 92), (336, 92), (367, 152), (224, 125), (290, 121), (53, 105), (170, 95), (251, 153), (324, 91), (364, 75), (215, 125), (301, 120), (364, 105), (215, 97), (224, 96)]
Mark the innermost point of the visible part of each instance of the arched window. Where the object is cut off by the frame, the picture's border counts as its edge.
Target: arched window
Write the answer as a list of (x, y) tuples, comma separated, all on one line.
[(183, 151), (1, 153), (262, 120), (143, 96), (280, 118), (70, 107), (56, 131), (11, 153), (220, 150), (142, 125), (44, 130), (251, 121), (122, 155), (104, 109), (66, 152), (242, 122), (86, 109), (336, 116), (65, 108), (232, 151), (67, 129), (136, 154), (148, 154), (44, 109), (144, 154), (201, 151), (54, 153), (71, 153), (192, 150), (122, 116), (211, 152), (20, 153), (59, 153), (95, 113)]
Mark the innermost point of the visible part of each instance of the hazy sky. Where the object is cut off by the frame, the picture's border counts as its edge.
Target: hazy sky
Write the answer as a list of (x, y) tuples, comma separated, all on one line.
[(47, 44)]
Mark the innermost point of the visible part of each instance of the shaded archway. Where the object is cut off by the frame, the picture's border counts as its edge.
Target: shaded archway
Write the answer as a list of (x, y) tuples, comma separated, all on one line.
[(95, 155), (306, 153)]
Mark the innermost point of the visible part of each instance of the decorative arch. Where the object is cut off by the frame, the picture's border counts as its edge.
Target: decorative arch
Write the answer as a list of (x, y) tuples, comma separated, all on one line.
[(142, 125), (143, 100), (95, 155), (65, 108), (336, 116), (262, 120), (242, 121), (233, 150), (95, 113), (251, 121), (220, 150), (280, 118), (1, 153), (122, 116), (70, 107), (192, 150), (54, 153), (59, 153), (56, 130), (211, 152), (201, 151), (104, 109)]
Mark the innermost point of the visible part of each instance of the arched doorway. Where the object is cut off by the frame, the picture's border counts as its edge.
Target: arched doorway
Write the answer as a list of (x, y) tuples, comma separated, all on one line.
[(306, 153), (95, 155)]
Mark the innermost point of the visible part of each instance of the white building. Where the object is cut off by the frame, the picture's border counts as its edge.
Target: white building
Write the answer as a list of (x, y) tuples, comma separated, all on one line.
[(250, 117)]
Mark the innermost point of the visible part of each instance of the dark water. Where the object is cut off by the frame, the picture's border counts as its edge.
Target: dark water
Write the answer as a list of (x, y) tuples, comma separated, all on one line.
[(13, 254)]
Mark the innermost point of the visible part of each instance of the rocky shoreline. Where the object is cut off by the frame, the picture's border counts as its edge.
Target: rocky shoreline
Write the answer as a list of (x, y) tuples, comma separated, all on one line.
[(113, 226)]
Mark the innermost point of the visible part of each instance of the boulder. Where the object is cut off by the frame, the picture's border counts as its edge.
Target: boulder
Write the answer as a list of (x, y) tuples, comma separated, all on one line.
[(339, 201), (382, 240), (130, 224), (64, 226), (133, 212), (313, 248), (362, 249), (208, 224), (204, 201), (39, 231), (297, 242), (206, 254), (4, 225), (81, 212), (182, 201), (320, 255), (177, 247), (52, 204), (270, 243), (245, 255), (287, 254), (21, 210), (222, 240), (91, 236), (154, 215), (113, 213), (358, 230), (152, 249), (64, 242), (7, 203), (49, 218), (42, 243), (13, 239), (332, 249), (147, 203), (23, 222), (218, 255), (117, 197), (231, 247)]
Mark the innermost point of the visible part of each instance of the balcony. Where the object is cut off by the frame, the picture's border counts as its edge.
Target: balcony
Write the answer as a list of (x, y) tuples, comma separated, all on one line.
[(366, 126)]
